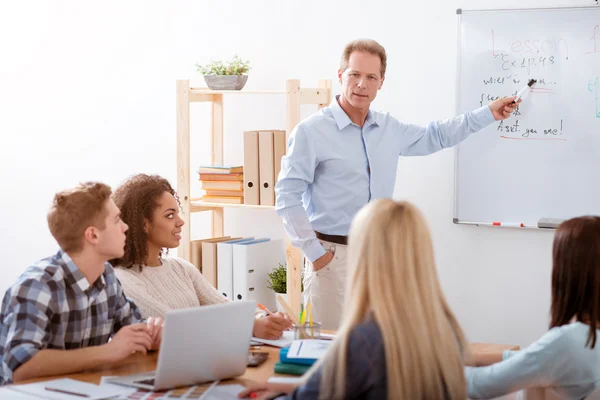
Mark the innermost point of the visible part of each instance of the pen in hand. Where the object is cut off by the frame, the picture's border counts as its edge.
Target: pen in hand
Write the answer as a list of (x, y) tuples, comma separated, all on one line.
[(265, 309)]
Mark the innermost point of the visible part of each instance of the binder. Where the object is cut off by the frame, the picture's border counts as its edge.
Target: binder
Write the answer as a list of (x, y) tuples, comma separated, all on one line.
[(251, 182), (196, 250), (279, 148), (266, 173), (209, 258), (252, 261), (224, 264), (196, 254)]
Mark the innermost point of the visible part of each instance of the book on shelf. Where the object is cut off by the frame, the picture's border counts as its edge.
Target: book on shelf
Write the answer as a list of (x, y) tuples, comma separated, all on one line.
[(221, 177), (222, 185), (222, 199), (220, 169), (226, 193)]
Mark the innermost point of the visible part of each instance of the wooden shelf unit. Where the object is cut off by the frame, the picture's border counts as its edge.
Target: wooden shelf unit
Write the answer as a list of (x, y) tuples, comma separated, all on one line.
[(295, 96)]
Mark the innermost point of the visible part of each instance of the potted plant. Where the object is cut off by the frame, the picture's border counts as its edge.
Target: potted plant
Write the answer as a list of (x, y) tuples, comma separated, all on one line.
[(221, 75), (277, 282)]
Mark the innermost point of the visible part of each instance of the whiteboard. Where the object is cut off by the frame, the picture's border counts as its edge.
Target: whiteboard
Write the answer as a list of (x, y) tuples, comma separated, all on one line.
[(544, 161)]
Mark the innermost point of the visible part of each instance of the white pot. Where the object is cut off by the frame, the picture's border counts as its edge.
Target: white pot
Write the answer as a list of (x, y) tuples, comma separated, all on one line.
[(225, 82)]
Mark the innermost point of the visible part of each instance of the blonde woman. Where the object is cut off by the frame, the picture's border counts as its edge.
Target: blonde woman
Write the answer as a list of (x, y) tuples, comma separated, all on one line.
[(398, 338)]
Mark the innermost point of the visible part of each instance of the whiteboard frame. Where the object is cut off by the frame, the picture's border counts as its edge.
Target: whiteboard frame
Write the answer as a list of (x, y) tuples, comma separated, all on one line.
[(459, 13), (462, 10)]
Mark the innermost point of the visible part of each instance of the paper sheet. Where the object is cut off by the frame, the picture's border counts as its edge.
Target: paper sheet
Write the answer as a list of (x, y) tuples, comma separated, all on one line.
[(285, 379), (61, 386), (286, 339), (187, 392), (224, 392), (309, 348)]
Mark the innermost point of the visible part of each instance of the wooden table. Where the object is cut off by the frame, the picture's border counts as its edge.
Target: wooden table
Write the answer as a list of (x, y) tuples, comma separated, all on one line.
[(139, 363)]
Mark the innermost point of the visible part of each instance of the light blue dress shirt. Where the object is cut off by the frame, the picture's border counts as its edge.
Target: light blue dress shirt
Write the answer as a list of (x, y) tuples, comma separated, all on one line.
[(333, 167), (559, 361)]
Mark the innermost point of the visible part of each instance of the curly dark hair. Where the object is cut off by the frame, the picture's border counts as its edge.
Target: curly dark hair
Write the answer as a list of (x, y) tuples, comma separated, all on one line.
[(137, 199)]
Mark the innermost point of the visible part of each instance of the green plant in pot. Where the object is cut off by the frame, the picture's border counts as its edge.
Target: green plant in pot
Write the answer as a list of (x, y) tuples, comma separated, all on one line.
[(277, 282), (225, 75)]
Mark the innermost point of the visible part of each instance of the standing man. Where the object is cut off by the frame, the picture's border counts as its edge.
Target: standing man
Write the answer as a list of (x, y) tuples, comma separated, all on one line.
[(344, 156)]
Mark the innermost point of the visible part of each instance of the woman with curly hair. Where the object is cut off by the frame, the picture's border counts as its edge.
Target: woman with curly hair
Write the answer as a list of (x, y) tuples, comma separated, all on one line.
[(157, 284)]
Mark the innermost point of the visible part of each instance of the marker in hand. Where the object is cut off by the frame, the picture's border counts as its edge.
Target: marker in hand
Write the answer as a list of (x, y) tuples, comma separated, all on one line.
[(522, 92), (265, 309)]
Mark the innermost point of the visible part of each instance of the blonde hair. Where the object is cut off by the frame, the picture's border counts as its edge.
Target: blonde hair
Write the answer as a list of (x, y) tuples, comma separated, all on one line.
[(364, 46), (74, 210), (393, 280)]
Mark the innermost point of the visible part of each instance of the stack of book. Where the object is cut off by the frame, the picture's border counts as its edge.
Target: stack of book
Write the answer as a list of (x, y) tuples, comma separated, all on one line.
[(222, 183), (301, 355), (290, 366)]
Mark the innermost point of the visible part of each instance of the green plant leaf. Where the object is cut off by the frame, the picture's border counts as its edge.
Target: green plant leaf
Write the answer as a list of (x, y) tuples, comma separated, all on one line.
[(235, 66), (278, 279)]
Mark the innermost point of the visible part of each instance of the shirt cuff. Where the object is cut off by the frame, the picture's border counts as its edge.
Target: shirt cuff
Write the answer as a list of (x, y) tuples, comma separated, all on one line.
[(484, 114), (508, 353), (17, 356), (313, 250)]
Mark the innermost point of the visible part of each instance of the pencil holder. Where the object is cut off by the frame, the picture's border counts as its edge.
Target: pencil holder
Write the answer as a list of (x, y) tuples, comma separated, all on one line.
[(307, 330)]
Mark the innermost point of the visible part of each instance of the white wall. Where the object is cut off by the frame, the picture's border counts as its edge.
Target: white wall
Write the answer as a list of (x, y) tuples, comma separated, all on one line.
[(87, 92)]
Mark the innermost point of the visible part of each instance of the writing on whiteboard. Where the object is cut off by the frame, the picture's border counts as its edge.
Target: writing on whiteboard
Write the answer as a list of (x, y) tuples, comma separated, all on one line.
[(514, 130), (528, 53), (594, 40), (531, 46), (540, 55), (593, 87)]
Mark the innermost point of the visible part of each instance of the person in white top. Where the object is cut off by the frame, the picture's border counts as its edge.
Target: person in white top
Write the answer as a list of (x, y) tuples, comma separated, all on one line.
[(566, 360), (157, 284)]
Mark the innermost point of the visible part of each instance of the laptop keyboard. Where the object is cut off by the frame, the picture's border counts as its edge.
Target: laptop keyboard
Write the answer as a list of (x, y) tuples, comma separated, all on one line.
[(146, 382)]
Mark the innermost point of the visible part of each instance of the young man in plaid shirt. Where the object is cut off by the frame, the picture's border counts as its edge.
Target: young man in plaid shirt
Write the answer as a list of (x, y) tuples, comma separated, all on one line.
[(60, 314)]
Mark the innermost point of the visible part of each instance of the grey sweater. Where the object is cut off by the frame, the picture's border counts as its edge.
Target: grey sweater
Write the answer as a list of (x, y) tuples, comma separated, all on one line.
[(366, 376)]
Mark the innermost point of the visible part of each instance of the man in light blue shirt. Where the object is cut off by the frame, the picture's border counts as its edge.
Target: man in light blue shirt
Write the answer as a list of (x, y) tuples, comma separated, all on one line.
[(344, 156)]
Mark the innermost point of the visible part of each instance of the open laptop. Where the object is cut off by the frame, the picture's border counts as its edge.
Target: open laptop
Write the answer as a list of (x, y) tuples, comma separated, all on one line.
[(199, 344)]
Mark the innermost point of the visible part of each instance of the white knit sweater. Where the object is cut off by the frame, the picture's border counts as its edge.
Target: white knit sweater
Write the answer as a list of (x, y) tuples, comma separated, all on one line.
[(175, 284)]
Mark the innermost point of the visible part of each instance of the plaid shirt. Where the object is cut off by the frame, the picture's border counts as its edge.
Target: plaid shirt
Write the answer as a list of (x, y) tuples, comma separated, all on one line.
[(53, 306)]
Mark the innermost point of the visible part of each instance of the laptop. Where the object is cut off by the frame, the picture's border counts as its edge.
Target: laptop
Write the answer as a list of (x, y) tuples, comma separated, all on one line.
[(199, 344)]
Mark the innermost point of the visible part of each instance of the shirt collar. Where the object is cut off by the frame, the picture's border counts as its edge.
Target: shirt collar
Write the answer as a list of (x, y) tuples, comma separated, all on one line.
[(74, 277), (343, 120)]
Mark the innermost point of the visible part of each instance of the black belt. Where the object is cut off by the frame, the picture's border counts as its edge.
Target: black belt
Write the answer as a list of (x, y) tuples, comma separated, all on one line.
[(332, 238)]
